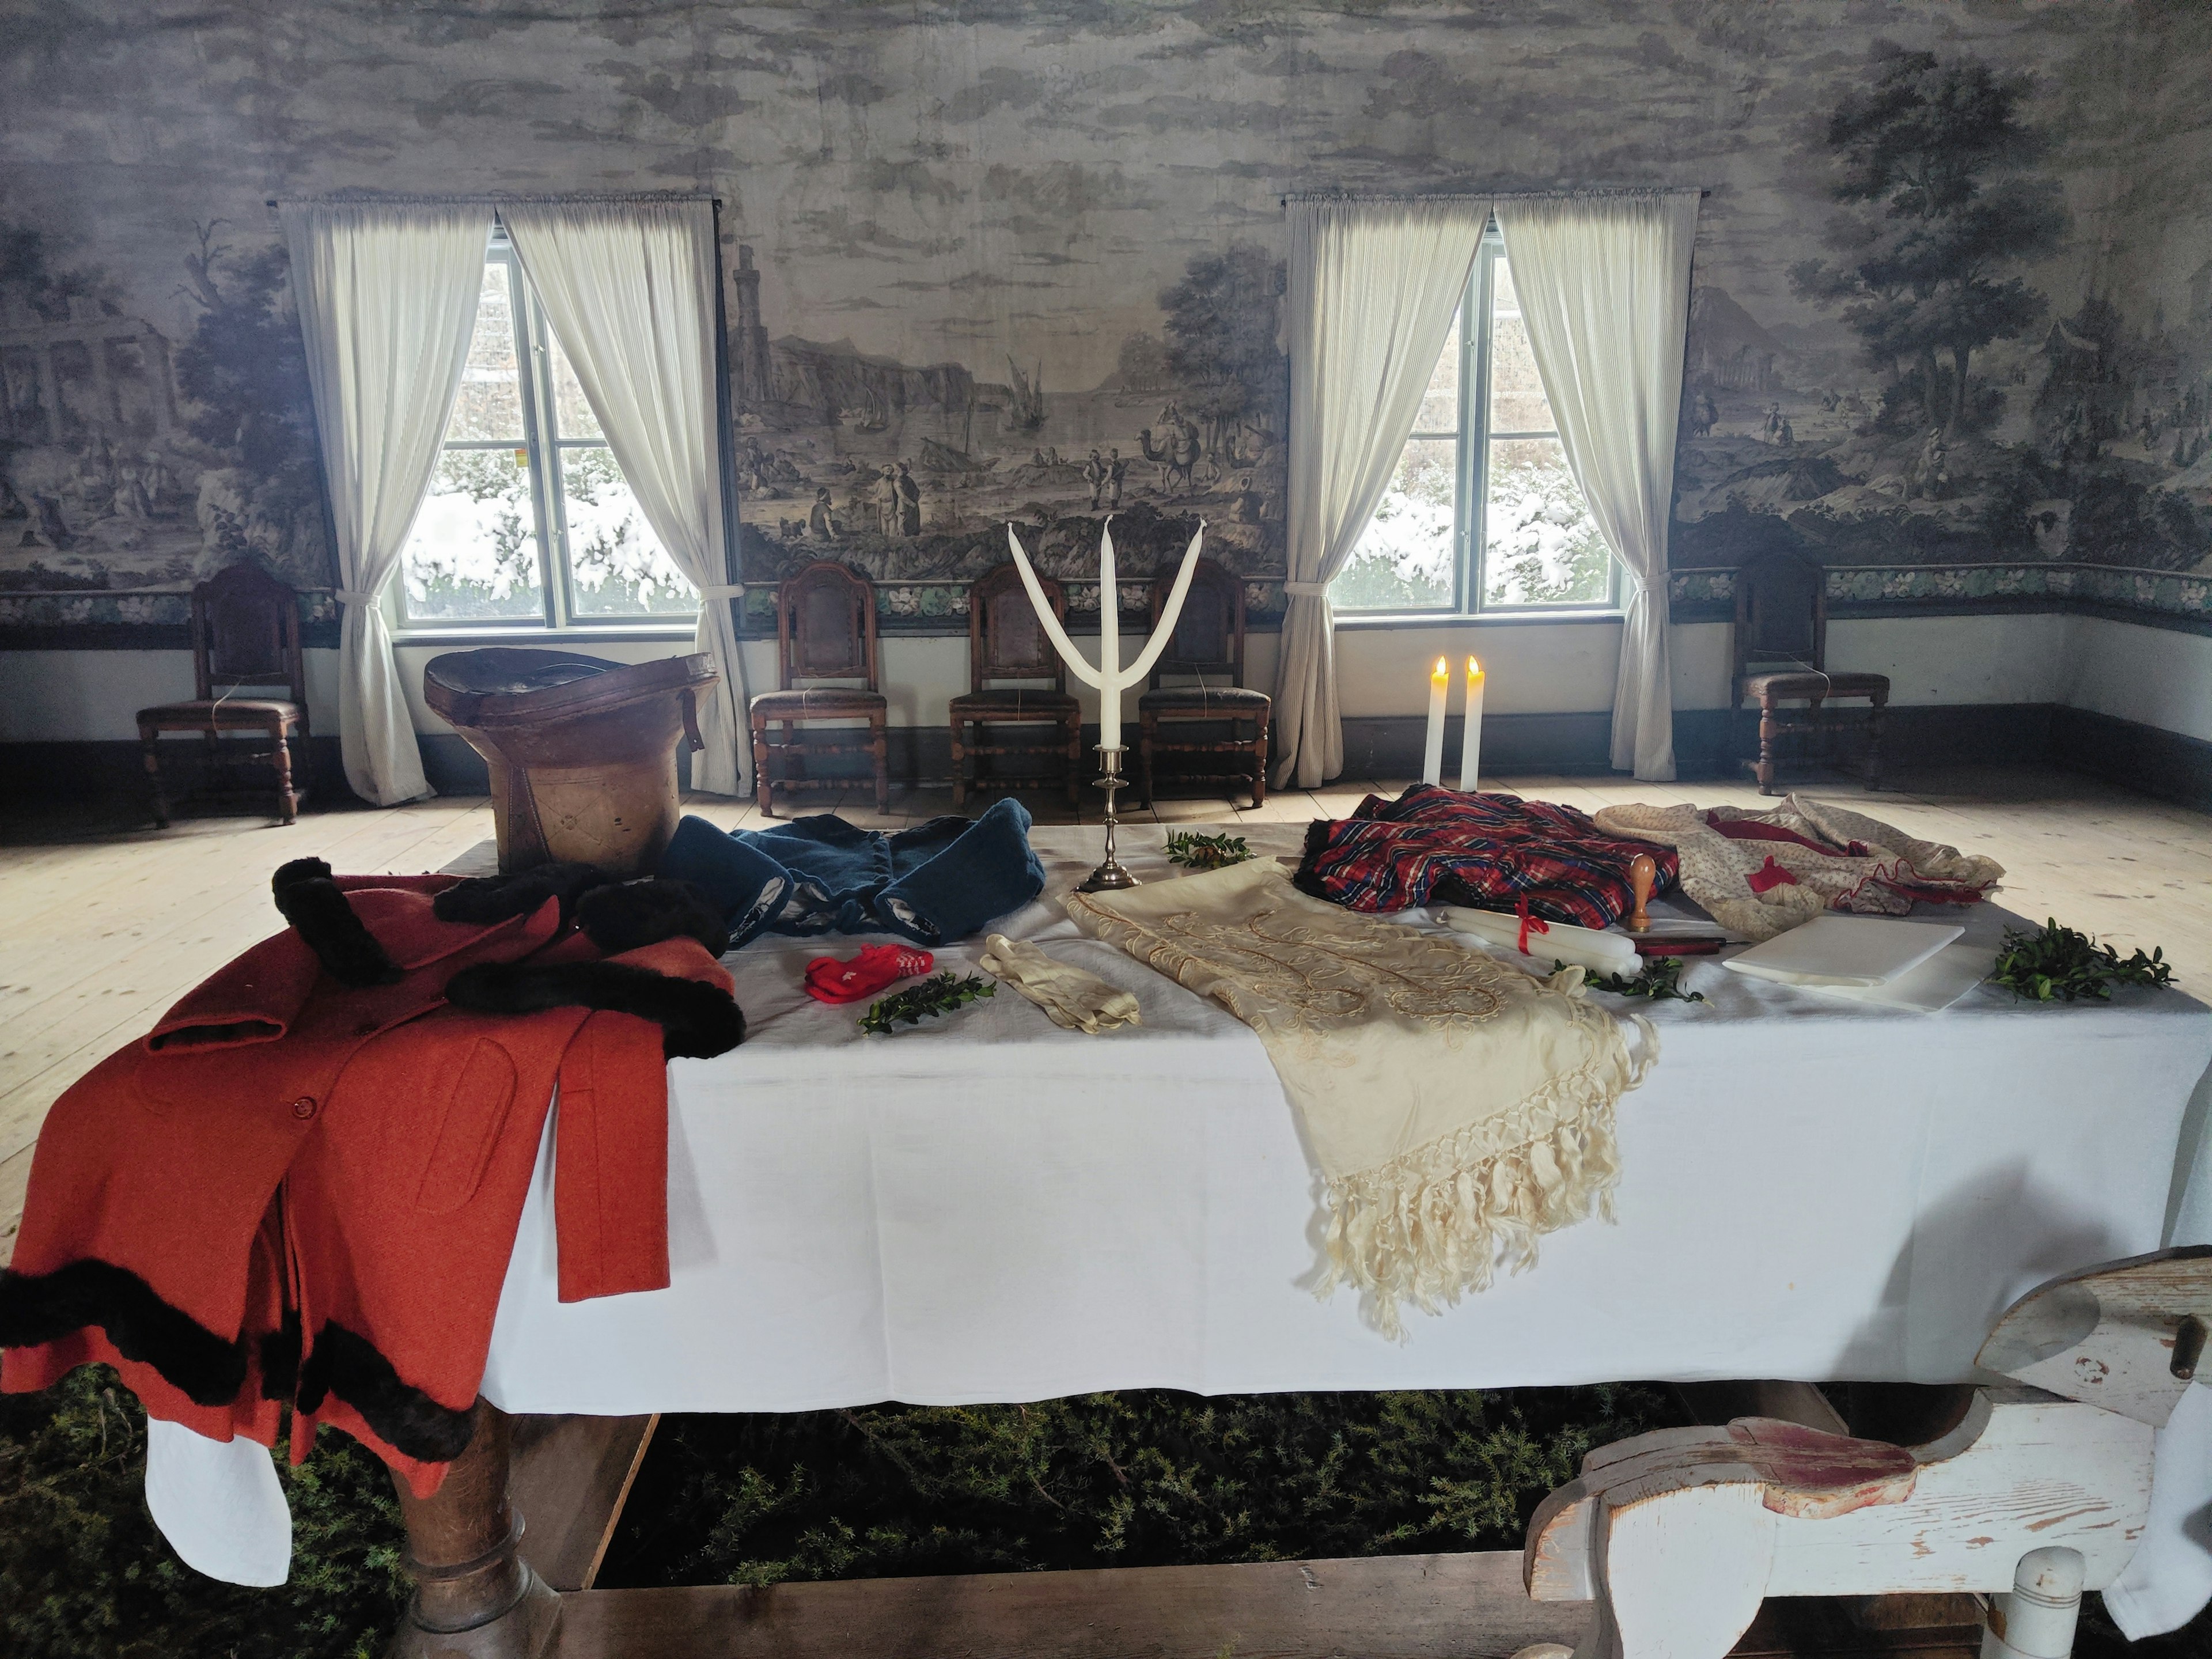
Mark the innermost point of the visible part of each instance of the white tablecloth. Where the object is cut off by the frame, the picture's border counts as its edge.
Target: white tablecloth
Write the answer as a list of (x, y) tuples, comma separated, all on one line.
[(988, 1208)]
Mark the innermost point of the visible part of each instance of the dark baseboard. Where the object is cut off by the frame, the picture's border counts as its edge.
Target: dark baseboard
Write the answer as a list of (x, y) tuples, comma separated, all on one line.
[(2167, 764), (1709, 742)]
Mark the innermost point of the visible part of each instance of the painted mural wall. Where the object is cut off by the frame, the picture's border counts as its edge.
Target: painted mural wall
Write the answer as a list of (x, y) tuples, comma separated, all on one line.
[(989, 259)]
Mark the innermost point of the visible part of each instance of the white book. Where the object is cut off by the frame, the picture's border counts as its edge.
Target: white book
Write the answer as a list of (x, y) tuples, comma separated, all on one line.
[(1856, 950), (1932, 986)]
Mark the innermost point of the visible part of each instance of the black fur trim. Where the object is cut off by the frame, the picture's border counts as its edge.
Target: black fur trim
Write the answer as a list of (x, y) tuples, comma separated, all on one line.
[(696, 1020), (405, 1417), (36, 1308), (280, 1358), (319, 914), (487, 899), (1304, 880), (628, 914)]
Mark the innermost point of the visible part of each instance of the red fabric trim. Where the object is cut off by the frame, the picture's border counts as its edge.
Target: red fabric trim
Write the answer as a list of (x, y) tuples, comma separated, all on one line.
[(1529, 924), (1769, 876), (1758, 830)]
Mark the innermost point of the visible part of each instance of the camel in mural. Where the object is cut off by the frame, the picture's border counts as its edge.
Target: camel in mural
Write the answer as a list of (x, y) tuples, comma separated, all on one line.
[(1177, 457)]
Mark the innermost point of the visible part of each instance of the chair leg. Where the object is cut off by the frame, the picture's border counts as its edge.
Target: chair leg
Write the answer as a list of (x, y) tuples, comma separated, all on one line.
[(763, 785), (1075, 761), (1260, 766), (149, 745), (288, 804), (1145, 732), (1769, 723), (1875, 720), (879, 751), (959, 764)]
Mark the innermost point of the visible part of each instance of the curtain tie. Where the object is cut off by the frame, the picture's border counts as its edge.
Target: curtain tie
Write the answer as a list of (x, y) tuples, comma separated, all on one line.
[(723, 590), (1529, 924), (353, 596), (1306, 589)]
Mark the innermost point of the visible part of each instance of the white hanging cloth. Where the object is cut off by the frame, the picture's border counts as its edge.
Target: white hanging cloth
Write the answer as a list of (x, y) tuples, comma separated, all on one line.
[(1604, 283), (1373, 287), (386, 294), (628, 288)]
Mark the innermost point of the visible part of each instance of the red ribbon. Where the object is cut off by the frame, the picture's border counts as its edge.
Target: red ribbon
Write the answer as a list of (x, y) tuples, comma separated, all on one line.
[(1529, 924), (1770, 875)]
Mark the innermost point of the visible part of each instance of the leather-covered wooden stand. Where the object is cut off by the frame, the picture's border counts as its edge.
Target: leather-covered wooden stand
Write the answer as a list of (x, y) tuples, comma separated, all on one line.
[(582, 751)]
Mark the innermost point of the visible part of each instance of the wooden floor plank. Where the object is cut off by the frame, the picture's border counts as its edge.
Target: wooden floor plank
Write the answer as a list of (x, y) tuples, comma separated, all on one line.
[(1412, 1607)]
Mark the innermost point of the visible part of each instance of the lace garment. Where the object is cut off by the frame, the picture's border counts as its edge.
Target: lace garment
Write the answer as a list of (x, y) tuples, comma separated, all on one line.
[(1459, 1109)]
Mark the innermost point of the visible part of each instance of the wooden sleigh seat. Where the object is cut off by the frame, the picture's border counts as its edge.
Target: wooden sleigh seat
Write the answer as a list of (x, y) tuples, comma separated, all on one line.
[(1678, 1535)]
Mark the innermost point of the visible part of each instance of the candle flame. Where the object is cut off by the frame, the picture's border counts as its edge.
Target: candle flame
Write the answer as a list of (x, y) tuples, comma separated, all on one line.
[(1473, 668), (1443, 669)]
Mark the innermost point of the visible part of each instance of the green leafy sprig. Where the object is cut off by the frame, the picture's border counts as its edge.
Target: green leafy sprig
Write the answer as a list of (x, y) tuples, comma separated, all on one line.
[(940, 993), (2063, 964), (1207, 852), (1661, 981)]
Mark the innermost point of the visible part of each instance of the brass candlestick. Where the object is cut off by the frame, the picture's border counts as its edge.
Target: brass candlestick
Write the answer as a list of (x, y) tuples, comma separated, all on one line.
[(1111, 876)]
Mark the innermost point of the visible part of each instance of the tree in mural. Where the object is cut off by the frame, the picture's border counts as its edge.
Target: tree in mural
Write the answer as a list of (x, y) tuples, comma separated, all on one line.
[(1221, 320), (245, 370), (1931, 159)]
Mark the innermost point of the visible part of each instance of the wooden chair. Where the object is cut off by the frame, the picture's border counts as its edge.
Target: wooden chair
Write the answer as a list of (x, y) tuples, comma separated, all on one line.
[(2040, 1490), (1781, 652), (825, 629), (1208, 646), (1005, 641), (246, 636)]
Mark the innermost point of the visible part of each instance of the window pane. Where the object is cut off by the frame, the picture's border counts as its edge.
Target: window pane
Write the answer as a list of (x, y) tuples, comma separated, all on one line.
[(488, 405), (618, 565), (1440, 403), (473, 553), (571, 415), (1542, 548), (1516, 393), (1404, 561)]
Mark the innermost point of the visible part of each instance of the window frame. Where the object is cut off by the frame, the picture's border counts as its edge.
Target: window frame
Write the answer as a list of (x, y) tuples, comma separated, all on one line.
[(541, 439), (1470, 511)]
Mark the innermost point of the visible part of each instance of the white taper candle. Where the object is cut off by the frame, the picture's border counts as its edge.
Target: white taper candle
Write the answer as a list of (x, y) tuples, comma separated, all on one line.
[(1432, 748), (1109, 643), (1470, 742)]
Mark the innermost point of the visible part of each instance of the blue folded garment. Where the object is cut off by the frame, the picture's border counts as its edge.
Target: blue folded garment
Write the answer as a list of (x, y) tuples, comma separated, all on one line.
[(941, 880)]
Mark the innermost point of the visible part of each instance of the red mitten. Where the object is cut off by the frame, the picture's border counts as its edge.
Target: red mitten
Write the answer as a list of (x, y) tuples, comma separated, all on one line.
[(829, 979)]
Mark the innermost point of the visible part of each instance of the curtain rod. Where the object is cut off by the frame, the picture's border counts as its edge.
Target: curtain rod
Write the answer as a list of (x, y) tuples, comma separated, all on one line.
[(487, 200), (1486, 195)]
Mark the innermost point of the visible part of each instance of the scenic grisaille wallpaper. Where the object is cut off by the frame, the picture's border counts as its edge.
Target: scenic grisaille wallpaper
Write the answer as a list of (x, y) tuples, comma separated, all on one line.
[(986, 260)]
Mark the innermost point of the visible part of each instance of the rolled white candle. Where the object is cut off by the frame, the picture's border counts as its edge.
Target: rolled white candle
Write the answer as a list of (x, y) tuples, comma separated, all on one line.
[(1470, 742), (1581, 947), (1432, 748), (1109, 644)]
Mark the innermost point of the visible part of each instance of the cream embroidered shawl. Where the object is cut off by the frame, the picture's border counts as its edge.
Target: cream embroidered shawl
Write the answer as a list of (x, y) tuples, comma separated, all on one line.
[(1459, 1107)]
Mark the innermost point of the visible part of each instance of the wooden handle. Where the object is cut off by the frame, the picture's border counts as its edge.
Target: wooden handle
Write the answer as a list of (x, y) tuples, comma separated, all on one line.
[(1641, 874)]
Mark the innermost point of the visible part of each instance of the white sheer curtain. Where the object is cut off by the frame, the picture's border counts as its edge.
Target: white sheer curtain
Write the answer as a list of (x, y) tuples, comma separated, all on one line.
[(386, 294), (1373, 289), (629, 287), (1604, 282)]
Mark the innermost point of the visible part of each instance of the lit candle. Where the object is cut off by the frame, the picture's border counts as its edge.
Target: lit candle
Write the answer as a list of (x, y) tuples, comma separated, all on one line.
[(1432, 750), (1470, 743)]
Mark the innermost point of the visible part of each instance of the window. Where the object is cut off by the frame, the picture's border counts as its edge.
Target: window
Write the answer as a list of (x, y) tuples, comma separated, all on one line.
[(529, 521), (1482, 513)]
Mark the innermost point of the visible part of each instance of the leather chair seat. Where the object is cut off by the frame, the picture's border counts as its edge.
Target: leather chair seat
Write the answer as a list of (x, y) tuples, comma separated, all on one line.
[(1002, 705), (226, 711), (1224, 701), (1810, 682), (826, 702)]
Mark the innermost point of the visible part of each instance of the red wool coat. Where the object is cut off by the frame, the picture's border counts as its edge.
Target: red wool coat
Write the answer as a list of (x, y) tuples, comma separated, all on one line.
[(295, 1191)]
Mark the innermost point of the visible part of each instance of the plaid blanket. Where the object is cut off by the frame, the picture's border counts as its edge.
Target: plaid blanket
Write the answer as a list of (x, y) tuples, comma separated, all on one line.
[(1437, 846)]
